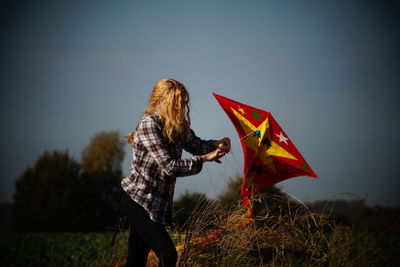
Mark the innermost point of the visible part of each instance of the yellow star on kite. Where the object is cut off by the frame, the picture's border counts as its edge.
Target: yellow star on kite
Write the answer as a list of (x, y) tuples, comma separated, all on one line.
[(241, 110), (255, 141)]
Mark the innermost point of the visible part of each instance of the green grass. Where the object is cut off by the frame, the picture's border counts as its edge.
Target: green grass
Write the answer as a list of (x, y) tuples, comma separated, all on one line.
[(52, 249)]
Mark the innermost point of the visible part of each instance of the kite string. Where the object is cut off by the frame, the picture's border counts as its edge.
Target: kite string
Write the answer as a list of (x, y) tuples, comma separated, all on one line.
[(238, 167), (210, 179), (245, 136)]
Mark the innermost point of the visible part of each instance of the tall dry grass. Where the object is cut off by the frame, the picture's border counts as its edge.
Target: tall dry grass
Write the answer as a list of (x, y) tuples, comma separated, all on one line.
[(283, 233)]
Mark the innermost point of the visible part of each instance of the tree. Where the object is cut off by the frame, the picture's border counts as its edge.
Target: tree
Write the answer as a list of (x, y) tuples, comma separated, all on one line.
[(5, 217), (45, 194), (101, 178), (104, 154), (57, 194)]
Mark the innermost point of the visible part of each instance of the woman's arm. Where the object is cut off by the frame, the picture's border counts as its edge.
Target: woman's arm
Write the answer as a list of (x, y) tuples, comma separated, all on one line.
[(197, 146), (150, 135), (211, 150)]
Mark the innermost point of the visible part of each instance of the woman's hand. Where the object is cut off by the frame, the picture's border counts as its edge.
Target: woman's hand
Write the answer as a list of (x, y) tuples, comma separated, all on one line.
[(224, 144), (214, 155)]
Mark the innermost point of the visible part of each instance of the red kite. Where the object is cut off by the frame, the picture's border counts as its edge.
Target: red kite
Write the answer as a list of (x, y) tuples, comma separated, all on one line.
[(269, 154)]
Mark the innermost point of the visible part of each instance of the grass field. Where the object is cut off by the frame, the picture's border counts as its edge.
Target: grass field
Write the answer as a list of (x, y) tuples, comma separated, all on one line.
[(93, 249), (282, 235), (52, 249)]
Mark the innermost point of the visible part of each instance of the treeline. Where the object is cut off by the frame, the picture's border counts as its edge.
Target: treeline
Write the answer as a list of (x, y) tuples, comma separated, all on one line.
[(363, 218), (58, 193)]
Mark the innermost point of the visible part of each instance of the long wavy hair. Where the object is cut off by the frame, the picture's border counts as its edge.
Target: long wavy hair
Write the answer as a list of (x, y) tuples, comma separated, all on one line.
[(170, 100)]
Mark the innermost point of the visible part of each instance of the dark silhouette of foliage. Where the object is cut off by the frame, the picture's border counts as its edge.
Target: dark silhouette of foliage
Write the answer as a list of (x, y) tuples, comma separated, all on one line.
[(356, 213), (45, 194), (5, 217), (59, 194), (104, 154), (101, 177), (232, 195)]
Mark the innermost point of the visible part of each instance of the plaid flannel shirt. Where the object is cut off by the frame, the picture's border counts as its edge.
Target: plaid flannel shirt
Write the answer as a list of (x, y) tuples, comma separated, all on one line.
[(157, 163)]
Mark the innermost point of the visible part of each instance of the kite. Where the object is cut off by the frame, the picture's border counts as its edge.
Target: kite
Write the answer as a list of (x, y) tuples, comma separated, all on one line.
[(269, 155)]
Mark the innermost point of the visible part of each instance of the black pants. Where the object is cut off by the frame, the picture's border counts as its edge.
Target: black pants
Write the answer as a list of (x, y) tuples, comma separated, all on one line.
[(145, 234)]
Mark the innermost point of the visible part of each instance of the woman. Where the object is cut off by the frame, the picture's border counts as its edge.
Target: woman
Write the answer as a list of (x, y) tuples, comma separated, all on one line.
[(162, 133)]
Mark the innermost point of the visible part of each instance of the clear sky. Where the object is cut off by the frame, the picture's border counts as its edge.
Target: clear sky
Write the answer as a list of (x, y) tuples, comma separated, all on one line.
[(327, 70)]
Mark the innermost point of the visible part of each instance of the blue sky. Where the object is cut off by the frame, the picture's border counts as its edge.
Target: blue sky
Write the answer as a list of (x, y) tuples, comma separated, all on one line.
[(327, 70)]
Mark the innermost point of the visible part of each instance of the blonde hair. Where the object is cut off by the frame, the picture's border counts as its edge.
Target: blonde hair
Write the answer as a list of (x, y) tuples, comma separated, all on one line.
[(169, 99), (129, 138)]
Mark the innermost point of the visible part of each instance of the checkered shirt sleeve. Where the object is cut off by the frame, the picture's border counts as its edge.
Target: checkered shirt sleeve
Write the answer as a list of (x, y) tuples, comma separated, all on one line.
[(150, 135)]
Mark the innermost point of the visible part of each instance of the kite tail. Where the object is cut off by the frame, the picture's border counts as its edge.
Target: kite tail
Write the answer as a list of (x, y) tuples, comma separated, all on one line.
[(249, 214)]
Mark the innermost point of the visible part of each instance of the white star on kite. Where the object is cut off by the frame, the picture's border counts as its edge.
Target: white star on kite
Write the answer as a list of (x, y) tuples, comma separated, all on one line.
[(282, 138)]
